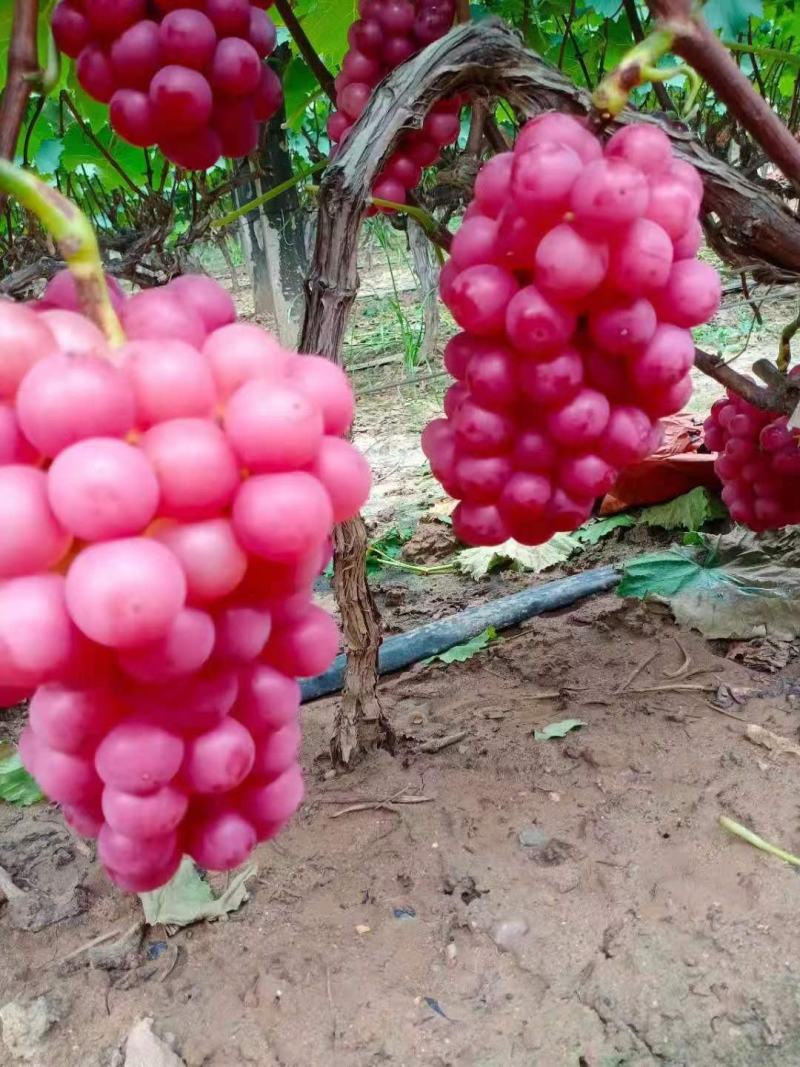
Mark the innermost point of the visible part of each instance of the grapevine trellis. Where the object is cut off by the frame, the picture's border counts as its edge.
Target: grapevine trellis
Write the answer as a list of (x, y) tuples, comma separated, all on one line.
[(747, 224)]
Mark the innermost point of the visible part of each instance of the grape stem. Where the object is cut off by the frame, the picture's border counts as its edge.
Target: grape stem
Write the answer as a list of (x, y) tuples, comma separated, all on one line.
[(792, 59), (744, 834), (387, 561), (271, 194), (428, 223), (635, 68), (76, 241), (785, 345)]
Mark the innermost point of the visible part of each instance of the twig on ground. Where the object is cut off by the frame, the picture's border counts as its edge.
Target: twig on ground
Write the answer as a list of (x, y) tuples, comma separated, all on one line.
[(723, 711), (120, 935), (438, 743), (638, 670), (172, 965), (684, 667), (330, 1002), (679, 688), (384, 803)]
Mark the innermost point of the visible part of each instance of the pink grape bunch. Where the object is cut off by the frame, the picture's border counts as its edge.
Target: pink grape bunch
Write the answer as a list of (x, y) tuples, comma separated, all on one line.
[(187, 75), (574, 280), (166, 507), (387, 34), (758, 462)]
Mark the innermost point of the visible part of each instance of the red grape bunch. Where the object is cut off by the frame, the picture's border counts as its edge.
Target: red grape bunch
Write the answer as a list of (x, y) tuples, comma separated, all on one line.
[(166, 507), (387, 34), (574, 281), (187, 75), (758, 462)]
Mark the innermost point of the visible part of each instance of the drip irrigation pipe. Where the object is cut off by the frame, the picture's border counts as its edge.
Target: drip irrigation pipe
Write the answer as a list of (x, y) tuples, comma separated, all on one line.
[(402, 650)]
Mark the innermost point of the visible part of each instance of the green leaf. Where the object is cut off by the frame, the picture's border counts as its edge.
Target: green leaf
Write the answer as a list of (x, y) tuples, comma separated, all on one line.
[(558, 729), (461, 653), (478, 562), (48, 156), (326, 22), (688, 512), (740, 585), (692, 538), (16, 785), (729, 17), (389, 545), (188, 898), (596, 530), (300, 88)]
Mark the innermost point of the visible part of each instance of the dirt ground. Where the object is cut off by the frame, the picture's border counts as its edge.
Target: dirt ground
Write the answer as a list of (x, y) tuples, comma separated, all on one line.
[(563, 903), (503, 901)]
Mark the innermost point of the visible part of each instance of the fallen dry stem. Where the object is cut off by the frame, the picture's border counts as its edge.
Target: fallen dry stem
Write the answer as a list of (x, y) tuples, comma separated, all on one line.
[(684, 667), (383, 803), (680, 687), (723, 711), (638, 670), (120, 935), (438, 743)]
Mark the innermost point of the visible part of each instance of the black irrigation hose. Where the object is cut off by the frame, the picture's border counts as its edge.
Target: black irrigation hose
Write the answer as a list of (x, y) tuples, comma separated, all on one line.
[(435, 637)]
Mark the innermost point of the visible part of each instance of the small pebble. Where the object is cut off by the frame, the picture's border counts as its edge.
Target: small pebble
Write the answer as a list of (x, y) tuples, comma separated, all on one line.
[(507, 933)]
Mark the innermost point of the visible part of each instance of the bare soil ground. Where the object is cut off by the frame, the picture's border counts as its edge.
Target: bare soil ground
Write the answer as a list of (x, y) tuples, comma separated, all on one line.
[(551, 903), (561, 903)]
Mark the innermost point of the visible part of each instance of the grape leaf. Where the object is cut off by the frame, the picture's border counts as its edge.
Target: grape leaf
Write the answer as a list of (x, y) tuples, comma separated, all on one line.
[(478, 562), (388, 546), (327, 22), (596, 530), (730, 17), (300, 88), (558, 729), (461, 653), (49, 155), (739, 585), (16, 785), (688, 512), (188, 898)]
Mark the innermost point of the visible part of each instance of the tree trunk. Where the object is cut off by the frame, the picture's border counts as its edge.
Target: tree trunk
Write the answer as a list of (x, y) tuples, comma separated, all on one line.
[(426, 271), (253, 244), (359, 724), (282, 228)]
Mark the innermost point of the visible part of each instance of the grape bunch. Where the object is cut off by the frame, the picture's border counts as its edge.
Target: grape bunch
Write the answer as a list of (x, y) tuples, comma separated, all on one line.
[(387, 34), (166, 507), (758, 462), (187, 75), (574, 281)]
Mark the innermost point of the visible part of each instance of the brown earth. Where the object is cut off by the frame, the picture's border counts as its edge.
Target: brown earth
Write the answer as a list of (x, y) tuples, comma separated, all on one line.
[(563, 903)]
